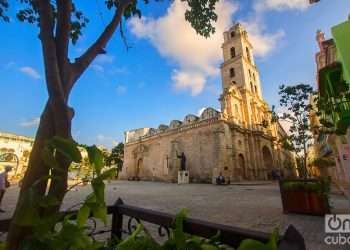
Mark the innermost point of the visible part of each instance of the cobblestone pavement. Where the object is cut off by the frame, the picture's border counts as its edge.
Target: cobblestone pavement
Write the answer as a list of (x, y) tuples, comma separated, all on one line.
[(255, 207)]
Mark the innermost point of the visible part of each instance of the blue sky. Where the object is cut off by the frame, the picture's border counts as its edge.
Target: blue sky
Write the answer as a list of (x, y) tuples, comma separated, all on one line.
[(169, 71)]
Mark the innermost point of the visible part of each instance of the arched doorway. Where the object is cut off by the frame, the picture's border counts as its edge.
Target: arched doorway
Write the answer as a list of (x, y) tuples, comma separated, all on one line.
[(139, 167), (268, 162), (241, 164)]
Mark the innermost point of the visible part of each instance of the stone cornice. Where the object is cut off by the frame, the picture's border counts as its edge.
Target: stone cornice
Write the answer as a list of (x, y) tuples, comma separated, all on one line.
[(182, 128)]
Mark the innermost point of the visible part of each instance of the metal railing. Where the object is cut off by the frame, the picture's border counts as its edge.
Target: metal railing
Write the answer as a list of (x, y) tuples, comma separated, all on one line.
[(233, 236)]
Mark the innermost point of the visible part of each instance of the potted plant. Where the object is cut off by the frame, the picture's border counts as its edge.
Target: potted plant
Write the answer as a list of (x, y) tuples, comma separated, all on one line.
[(305, 196)]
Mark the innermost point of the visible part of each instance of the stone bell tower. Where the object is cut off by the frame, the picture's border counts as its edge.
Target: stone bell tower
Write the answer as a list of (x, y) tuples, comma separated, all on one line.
[(241, 100), (239, 67)]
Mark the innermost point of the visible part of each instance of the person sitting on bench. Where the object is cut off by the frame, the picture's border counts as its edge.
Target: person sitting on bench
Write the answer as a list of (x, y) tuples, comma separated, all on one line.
[(220, 180)]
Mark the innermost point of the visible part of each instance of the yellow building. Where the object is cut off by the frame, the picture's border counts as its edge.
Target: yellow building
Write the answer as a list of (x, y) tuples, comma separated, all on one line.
[(18, 145), (239, 141)]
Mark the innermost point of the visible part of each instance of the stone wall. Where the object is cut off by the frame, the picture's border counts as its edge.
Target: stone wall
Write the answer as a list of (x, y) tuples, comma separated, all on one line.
[(156, 157)]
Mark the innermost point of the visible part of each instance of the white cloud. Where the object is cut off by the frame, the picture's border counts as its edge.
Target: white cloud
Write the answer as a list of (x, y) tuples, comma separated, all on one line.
[(118, 70), (29, 71), (262, 5), (121, 89), (189, 80), (100, 137), (197, 57), (30, 123), (98, 68), (264, 43), (200, 111), (10, 65), (104, 59), (115, 143)]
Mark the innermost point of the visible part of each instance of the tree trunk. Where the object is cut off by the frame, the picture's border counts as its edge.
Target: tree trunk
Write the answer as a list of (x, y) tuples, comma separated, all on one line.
[(38, 170), (56, 118)]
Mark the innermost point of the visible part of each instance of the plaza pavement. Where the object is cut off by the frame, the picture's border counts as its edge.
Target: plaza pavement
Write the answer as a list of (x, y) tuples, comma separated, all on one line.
[(256, 207)]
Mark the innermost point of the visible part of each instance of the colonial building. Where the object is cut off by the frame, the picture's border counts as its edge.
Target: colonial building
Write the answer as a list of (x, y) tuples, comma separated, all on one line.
[(240, 141), (332, 145), (19, 148), (16, 144)]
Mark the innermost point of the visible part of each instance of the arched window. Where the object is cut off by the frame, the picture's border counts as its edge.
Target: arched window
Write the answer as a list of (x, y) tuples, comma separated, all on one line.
[(232, 72), (233, 34), (248, 54), (256, 89), (251, 87), (233, 52), (250, 73), (254, 77)]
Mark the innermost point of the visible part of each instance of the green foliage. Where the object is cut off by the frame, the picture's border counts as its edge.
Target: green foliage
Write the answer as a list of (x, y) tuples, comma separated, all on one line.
[(257, 245), (200, 14), (296, 101), (56, 231), (4, 5), (322, 186), (116, 157), (323, 162), (179, 240)]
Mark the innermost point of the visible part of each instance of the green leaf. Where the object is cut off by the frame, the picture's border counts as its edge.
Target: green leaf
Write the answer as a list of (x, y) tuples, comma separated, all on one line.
[(48, 201), (108, 173), (95, 158), (100, 212), (30, 215), (48, 157), (83, 215), (138, 242), (2, 246), (178, 234), (250, 244), (67, 147), (209, 247), (99, 189)]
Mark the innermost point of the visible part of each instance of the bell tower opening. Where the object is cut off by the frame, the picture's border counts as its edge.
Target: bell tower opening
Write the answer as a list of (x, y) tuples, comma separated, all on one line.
[(238, 55)]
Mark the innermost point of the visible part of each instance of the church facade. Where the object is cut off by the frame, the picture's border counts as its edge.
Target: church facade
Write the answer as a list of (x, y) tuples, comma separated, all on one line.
[(240, 142)]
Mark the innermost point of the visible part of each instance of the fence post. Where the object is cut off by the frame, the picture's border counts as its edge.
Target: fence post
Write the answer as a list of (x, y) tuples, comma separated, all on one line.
[(117, 220), (292, 240)]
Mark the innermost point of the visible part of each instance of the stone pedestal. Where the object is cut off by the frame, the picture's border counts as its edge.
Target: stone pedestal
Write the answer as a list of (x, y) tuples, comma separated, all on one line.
[(183, 177)]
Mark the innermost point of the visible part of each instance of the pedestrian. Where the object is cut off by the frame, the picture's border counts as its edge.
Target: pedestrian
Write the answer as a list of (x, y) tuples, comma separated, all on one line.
[(4, 183)]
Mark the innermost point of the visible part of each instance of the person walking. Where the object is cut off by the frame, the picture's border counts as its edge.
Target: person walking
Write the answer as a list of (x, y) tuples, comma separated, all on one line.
[(4, 183)]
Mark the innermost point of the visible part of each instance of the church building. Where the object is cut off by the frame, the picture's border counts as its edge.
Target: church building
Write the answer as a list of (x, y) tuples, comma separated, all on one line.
[(240, 142)]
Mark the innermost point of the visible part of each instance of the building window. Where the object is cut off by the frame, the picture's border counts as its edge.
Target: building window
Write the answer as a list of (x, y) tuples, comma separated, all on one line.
[(233, 34), (254, 77), (251, 87), (250, 73), (233, 52), (256, 90), (248, 54), (232, 72)]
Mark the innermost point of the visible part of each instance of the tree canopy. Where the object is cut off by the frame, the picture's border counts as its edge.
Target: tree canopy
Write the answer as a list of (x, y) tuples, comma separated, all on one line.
[(295, 100)]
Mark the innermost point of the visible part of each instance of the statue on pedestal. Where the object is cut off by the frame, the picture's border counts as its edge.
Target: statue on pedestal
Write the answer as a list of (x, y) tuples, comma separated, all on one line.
[(183, 161)]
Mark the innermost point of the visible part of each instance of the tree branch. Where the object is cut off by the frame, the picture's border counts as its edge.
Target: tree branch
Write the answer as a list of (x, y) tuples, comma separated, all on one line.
[(57, 97), (98, 46), (63, 28)]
